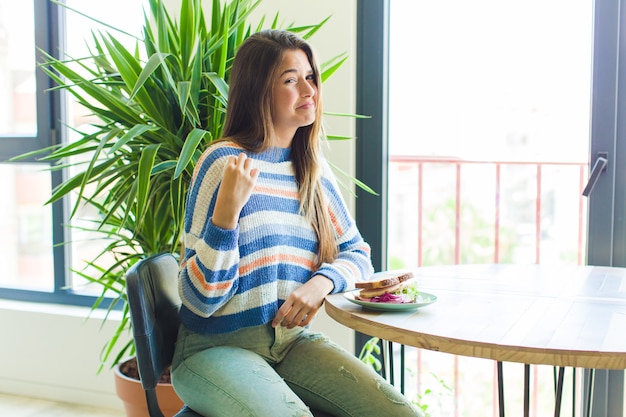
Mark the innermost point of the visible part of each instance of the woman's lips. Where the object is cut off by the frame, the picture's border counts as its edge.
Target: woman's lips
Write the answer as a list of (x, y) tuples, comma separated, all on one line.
[(307, 105)]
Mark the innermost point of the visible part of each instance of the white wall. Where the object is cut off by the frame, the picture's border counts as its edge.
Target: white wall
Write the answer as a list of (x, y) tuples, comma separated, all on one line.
[(52, 352)]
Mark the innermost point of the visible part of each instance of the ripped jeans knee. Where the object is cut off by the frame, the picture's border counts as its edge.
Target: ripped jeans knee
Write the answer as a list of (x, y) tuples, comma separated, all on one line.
[(329, 378)]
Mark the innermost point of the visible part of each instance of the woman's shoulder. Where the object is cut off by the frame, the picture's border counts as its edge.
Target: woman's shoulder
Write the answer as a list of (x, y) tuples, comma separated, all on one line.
[(328, 177), (224, 145), (214, 157), (325, 169), (218, 149)]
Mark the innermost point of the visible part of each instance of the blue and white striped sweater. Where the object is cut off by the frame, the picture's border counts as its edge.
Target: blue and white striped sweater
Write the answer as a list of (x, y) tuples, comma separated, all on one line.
[(231, 279)]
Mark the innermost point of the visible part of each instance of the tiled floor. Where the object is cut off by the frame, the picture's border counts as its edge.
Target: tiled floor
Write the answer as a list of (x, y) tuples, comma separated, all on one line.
[(12, 406)]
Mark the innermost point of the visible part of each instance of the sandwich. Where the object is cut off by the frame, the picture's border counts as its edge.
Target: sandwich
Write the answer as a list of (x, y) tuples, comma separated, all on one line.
[(388, 288)]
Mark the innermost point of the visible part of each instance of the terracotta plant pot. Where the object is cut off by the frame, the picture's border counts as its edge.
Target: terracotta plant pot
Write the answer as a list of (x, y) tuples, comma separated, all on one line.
[(130, 391)]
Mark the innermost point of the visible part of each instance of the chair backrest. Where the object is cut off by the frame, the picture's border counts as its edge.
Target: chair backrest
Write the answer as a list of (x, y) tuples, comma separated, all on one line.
[(152, 290)]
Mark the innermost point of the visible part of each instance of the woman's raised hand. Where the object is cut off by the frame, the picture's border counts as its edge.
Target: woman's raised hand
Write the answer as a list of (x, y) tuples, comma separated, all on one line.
[(237, 184)]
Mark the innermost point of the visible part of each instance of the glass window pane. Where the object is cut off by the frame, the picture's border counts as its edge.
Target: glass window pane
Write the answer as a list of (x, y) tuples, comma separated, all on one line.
[(18, 112), (489, 137), (26, 224), (490, 79), (471, 86), (88, 244)]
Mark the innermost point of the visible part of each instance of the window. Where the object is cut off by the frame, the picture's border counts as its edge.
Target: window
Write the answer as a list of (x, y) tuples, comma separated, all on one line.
[(26, 244), (606, 236), (36, 264)]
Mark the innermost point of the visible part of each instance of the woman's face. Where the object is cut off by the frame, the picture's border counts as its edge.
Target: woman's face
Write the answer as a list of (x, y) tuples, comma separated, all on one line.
[(294, 96)]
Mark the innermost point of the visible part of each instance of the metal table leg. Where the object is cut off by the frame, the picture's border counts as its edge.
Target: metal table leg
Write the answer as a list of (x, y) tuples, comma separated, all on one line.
[(500, 389), (392, 376), (559, 392), (526, 390), (588, 399), (573, 392), (402, 366)]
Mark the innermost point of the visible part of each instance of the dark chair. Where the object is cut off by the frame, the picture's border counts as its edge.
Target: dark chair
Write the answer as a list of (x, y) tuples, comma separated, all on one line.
[(152, 289)]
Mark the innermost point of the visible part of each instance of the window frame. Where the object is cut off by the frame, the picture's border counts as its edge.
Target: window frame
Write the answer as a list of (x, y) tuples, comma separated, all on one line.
[(49, 26), (372, 86)]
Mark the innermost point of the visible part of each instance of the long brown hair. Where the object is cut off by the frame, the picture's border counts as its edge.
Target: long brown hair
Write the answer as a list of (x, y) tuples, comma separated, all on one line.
[(249, 122)]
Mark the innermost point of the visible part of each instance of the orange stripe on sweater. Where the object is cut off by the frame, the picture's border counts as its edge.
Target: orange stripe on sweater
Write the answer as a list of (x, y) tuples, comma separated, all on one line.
[(198, 165), (350, 266), (336, 225), (198, 277), (280, 257), (366, 249), (208, 152), (276, 191)]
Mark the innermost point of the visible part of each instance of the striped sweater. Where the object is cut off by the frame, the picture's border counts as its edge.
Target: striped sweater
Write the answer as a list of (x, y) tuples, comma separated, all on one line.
[(231, 279)]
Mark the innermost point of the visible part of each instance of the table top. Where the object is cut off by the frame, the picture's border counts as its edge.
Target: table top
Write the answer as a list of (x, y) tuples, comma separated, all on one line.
[(533, 314)]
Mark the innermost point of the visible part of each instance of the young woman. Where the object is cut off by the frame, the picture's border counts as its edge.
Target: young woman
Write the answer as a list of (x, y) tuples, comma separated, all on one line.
[(267, 237)]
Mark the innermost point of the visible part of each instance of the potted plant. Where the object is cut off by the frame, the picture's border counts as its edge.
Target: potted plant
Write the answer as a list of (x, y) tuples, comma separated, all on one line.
[(157, 108)]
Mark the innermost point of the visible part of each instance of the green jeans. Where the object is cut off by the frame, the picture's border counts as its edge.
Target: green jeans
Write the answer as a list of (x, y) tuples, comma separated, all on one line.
[(266, 372)]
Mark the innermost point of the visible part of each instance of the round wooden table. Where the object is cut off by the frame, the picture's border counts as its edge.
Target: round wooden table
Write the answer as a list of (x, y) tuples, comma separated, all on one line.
[(566, 316)]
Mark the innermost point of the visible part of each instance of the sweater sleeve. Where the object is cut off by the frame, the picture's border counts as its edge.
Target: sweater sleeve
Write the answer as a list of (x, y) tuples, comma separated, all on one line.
[(208, 276), (353, 263)]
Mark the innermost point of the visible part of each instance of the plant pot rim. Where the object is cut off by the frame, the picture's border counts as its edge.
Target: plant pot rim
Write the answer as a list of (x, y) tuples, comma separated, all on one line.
[(117, 370)]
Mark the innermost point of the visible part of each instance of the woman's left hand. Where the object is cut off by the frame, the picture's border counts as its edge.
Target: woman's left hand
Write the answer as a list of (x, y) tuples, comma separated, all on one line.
[(303, 304)]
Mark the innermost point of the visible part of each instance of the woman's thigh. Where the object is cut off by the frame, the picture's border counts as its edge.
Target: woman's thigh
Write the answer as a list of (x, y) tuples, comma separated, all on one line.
[(329, 378), (229, 381)]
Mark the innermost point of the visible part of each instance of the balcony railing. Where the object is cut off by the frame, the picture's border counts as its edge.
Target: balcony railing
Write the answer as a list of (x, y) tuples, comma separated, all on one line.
[(452, 211), (535, 200)]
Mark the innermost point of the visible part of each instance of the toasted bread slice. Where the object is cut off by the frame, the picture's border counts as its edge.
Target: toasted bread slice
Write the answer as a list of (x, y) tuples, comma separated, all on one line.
[(375, 292), (405, 277), (380, 283), (385, 281)]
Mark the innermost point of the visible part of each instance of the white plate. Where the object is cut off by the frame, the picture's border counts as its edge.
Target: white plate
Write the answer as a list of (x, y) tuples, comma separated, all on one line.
[(423, 299)]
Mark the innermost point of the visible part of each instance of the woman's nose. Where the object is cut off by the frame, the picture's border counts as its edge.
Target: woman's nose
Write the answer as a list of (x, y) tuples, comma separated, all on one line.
[(309, 89)]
